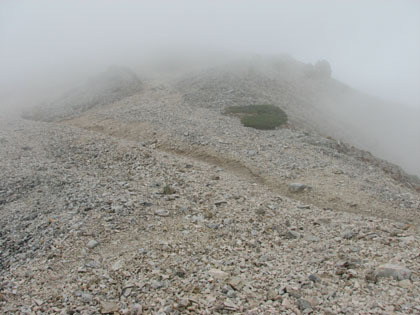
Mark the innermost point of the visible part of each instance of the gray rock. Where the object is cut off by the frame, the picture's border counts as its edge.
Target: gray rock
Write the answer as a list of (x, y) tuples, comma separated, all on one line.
[(314, 278), (197, 218), (292, 235), (109, 307), (349, 234), (162, 213), (392, 271), (297, 187), (136, 309), (304, 207), (157, 284), (292, 292), (92, 244), (218, 274), (227, 221), (86, 297), (312, 238), (213, 226), (303, 304), (142, 251)]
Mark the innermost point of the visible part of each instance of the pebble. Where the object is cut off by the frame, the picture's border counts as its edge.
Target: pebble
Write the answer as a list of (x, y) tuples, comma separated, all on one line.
[(292, 235), (92, 244), (218, 274), (86, 297), (162, 213), (314, 278), (297, 187), (348, 234), (157, 284), (303, 304), (392, 271), (109, 307)]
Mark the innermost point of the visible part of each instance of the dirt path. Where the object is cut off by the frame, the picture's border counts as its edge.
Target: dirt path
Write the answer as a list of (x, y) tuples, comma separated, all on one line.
[(326, 197)]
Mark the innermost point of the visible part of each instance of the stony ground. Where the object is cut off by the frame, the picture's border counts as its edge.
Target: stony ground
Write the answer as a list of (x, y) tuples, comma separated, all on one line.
[(152, 205)]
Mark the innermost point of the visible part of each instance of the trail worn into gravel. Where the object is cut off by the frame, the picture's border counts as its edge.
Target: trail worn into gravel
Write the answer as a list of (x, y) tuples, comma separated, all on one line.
[(330, 186), (89, 227), (160, 204)]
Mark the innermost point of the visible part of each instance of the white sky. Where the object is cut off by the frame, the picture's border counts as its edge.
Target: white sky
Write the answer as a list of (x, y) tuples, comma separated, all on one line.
[(373, 45)]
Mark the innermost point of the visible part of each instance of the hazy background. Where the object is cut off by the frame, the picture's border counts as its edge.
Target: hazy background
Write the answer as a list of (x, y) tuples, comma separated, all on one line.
[(372, 45)]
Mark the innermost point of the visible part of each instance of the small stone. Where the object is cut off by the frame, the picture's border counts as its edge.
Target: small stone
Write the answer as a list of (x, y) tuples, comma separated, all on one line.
[(271, 294), (260, 211), (406, 284), (392, 271), (213, 226), (292, 235), (184, 303), (162, 213), (324, 221), (297, 187), (303, 304), (92, 244), (168, 190), (86, 297), (292, 292), (142, 251), (136, 309), (348, 234), (229, 305), (218, 274), (286, 303), (227, 221), (197, 218), (109, 307), (38, 302), (314, 278), (157, 284), (180, 273), (311, 238), (117, 265), (370, 276), (236, 283), (304, 207)]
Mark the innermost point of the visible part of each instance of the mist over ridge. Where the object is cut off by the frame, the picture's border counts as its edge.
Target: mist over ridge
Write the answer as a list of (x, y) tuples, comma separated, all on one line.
[(209, 157), (372, 46)]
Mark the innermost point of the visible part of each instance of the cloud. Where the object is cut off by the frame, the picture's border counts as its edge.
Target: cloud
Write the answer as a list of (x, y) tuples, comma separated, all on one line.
[(373, 45)]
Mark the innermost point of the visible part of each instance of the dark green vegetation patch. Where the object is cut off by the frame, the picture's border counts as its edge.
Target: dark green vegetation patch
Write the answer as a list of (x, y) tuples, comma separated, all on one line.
[(265, 117)]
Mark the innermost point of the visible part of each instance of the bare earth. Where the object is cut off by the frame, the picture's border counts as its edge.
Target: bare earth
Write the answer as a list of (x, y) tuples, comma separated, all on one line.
[(151, 205)]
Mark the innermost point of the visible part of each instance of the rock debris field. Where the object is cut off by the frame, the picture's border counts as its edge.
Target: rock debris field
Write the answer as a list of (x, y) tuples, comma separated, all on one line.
[(151, 205)]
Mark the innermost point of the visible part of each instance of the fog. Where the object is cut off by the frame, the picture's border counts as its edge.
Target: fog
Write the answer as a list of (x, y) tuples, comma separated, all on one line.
[(45, 46)]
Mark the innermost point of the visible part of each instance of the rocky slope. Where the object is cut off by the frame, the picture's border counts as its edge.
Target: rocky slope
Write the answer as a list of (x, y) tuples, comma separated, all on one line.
[(114, 84), (159, 203)]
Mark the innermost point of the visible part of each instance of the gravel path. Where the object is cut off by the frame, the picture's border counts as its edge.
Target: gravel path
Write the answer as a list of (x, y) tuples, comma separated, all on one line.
[(92, 223), (157, 203)]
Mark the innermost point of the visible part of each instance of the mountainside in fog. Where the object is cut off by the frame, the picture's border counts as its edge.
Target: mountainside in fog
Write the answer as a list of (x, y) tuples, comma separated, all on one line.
[(158, 202), (313, 100), (114, 84)]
